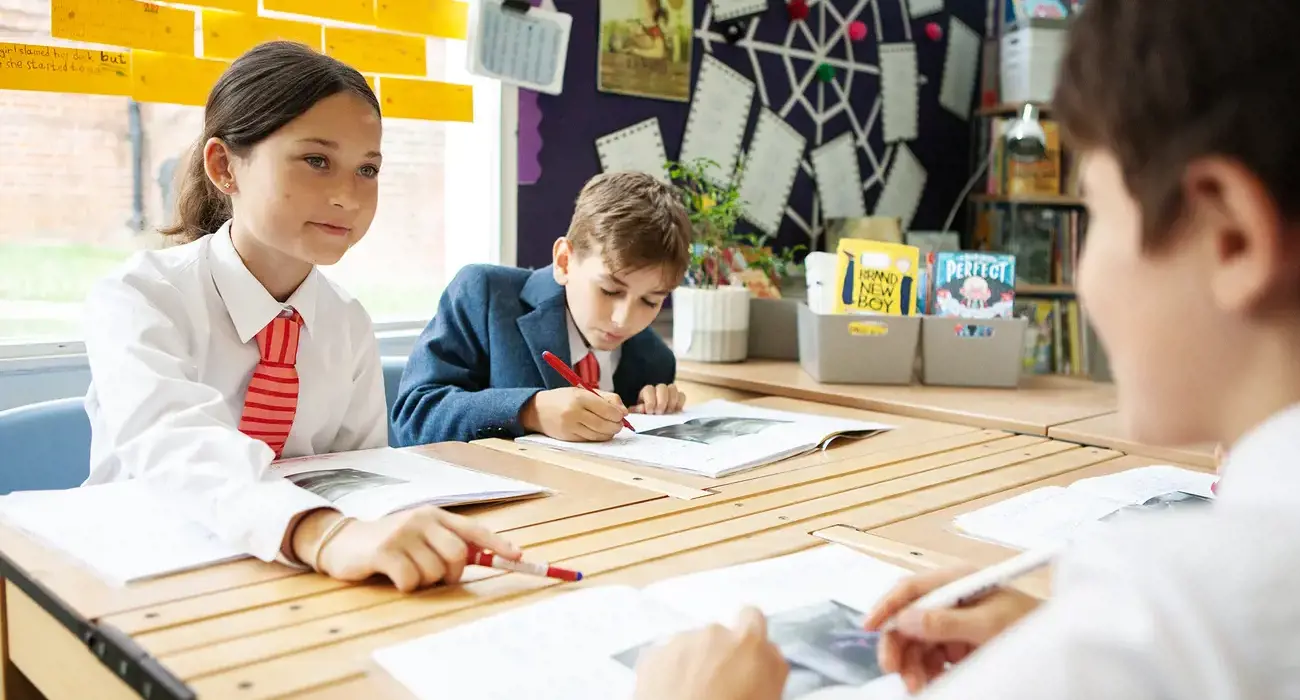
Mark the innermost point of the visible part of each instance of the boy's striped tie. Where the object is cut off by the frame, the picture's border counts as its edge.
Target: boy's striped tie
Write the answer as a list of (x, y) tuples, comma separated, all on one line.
[(588, 370), (272, 398)]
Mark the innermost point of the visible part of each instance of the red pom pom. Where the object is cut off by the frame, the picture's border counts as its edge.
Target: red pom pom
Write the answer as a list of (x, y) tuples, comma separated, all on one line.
[(934, 31), (857, 30), (797, 9)]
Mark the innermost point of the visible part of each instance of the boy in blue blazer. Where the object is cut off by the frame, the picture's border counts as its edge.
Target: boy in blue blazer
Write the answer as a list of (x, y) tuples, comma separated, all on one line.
[(477, 370)]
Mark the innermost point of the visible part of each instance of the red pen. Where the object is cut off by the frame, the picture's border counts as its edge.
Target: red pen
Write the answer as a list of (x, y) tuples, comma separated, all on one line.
[(572, 377), (478, 557)]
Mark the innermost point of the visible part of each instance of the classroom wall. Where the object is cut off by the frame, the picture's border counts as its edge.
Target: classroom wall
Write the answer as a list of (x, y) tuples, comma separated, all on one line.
[(573, 120)]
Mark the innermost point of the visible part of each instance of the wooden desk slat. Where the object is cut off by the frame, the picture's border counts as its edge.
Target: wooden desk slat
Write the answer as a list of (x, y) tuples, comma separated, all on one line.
[(1039, 402), (1108, 431)]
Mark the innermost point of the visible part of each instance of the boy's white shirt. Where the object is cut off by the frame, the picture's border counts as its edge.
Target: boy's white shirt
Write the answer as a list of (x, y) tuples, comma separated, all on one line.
[(170, 342), (607, 360), (1201, 605)]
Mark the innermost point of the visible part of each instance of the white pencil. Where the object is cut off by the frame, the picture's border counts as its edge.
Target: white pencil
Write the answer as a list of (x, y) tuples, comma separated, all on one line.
[(969, 589)]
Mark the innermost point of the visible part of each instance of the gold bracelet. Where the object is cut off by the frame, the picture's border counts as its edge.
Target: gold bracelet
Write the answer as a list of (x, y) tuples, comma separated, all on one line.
[(325, 538)]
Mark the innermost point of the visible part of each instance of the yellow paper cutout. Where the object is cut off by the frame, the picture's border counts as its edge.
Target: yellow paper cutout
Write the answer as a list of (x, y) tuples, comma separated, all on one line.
[(444, 18), (138, 25), (182, 80), (55, 69), (247, 6), (868, 328), (876, 277), (377, 52), (355, 11), (227, 35), (426, 99)]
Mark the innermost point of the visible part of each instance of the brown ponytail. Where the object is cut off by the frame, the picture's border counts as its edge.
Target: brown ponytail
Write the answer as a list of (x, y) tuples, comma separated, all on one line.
[(269, 86), (200, 207)]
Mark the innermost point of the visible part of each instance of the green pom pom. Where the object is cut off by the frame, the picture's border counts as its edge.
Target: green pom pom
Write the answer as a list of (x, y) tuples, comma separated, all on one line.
[(825, 72)]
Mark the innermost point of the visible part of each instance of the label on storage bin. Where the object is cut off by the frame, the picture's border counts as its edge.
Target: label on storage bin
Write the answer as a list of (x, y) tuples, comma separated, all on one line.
[(973, 330), (868, 328)]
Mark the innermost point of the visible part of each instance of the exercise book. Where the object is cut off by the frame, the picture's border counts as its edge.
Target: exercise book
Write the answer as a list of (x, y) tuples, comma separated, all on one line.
[(130, 531), (586, 644), (717, 438), (1053, 514)]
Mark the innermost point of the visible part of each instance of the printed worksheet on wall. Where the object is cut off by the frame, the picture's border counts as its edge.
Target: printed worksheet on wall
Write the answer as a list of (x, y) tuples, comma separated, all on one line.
[(770, 169), (528, 49), (585, 645), (899, 92), (839, 182), (638, 148), (715, 125)]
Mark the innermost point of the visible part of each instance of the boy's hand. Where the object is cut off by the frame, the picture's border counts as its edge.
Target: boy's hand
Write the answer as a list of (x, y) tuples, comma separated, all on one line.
[(414, 549), (574, 415), (660, 399), (715, 663), (925, 640)]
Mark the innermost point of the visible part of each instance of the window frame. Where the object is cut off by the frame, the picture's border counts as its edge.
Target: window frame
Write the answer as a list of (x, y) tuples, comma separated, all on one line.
[(493, 101)]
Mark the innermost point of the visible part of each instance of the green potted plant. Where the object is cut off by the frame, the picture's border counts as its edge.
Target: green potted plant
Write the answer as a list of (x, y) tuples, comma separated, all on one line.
[(710, 310)]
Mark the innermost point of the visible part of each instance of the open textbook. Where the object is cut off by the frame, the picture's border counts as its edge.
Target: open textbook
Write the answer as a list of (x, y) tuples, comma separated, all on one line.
[(717, 438), (585, 645), (1054, 514), (128, 531)]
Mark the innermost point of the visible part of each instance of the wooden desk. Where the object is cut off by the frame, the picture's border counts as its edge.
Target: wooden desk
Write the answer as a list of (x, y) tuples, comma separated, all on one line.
[(935, 532), (1107, 431), (1039, 403)]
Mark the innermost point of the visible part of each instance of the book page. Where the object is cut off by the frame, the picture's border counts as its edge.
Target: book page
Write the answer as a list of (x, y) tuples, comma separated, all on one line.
[(124, 531), (1136, 486), (369, 484), (714, 438), (561, 648), (815, 602), (1039, 518)]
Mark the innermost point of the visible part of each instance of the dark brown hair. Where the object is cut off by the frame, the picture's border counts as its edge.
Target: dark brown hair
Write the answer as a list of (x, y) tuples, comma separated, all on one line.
[(264, 89), (633, 221), (1161, 83)]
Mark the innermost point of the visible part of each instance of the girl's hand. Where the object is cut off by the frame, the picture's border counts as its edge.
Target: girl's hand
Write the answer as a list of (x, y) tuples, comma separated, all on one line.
[(925, 641), (414, 549), (660, 399)]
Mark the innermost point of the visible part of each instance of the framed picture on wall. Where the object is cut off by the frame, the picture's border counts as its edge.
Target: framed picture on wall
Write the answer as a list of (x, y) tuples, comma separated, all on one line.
[(645, 48)]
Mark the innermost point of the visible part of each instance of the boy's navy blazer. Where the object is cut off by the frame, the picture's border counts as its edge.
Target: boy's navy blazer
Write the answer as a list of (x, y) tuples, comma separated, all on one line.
[(480, 359)]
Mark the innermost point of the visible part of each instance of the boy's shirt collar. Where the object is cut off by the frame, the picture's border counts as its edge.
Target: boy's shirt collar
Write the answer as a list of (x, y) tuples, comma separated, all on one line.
[(250, 306), (1263, 467), (578, 349)]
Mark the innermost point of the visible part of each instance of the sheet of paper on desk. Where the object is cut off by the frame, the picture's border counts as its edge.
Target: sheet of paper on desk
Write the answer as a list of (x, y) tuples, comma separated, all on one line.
[(770, 169), (638, 148), (839, 182), (123, 531), (585, 644), (716, 438), (528, 49), (715, 125), (369, 484)]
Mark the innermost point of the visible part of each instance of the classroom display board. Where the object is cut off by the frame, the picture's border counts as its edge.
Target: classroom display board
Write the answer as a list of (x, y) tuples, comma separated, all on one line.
[(174, 53)]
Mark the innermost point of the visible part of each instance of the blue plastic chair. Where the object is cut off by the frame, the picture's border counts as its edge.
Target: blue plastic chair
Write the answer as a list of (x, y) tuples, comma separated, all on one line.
[(44, 446), (393, 368)]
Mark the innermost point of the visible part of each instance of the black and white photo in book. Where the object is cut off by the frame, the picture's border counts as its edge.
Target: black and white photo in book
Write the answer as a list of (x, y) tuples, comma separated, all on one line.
[(717, 438)]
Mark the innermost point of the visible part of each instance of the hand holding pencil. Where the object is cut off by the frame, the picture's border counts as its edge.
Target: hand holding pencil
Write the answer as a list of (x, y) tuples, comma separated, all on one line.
[(574, 414)]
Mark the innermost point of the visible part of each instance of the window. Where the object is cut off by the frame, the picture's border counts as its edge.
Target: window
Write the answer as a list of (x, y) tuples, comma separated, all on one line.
[(86, 180)]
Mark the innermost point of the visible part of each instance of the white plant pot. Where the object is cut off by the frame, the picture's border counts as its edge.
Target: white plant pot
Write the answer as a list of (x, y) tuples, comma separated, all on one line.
[(711, 325)]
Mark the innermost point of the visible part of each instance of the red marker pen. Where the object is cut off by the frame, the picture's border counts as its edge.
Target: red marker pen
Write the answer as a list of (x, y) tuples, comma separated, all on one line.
[(478, 557)]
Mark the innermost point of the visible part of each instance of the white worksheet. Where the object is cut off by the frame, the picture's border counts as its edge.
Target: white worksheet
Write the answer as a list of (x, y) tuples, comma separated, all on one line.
[(527, 49), (921, 8), (585, 644), (839, 182), (903, 188), (730, 9), (961, 64), (898, 90), (638, 148), (719, 112), (770, 169)]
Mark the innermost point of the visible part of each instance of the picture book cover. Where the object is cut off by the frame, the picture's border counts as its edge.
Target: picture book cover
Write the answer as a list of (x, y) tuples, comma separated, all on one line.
[(973, 285), (876, 277)]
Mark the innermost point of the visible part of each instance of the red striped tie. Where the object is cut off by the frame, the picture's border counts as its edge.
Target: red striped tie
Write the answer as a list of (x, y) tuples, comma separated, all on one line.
[(589, 370), (272, 397)]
